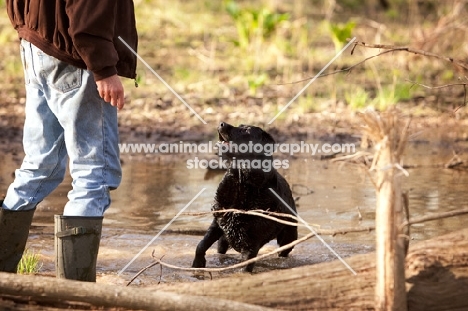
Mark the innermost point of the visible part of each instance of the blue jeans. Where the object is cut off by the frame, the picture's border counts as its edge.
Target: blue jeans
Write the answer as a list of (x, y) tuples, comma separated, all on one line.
[(65, 116)]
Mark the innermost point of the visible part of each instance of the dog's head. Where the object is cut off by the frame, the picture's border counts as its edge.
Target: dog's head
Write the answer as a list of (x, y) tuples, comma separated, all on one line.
[(249, 151), (244, 141)]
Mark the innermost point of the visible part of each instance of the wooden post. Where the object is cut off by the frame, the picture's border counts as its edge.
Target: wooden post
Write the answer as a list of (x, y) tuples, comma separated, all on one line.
[(389, 138)]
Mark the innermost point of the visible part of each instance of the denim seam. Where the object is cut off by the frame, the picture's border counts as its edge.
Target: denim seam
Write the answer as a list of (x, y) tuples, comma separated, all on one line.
[(33, 67), (23, 61), (104, 151)]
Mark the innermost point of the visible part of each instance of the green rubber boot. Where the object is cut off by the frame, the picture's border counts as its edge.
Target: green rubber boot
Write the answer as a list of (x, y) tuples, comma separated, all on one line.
[(76, 247), (14, 232)]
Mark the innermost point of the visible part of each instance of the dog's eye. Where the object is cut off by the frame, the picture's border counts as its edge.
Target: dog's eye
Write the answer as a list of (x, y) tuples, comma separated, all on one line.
[(246, 130)]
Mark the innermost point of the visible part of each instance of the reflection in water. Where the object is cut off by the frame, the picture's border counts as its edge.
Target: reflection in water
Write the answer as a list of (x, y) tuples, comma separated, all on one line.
[(144, 195)]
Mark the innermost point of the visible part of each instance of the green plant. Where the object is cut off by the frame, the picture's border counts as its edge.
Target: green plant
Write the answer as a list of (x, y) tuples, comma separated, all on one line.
[(256, 81), (340, 33), (29, 263), (447, 75), (392, 94), (385, 98), (357, 98), (254, 22)]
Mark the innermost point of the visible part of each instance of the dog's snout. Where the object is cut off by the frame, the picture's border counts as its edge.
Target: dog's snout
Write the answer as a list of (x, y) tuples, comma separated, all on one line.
[(224, 127)]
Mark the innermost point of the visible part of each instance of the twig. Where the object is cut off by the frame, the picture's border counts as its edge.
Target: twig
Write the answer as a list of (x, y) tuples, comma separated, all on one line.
[(444, 86), (394, 48), (143, 270), (348, 69), (406, 230), (161, 270), (260, 213), (389, 49), (454, 161), (266, 214), (239, 265), (298, 241), (258, 258), (434, 217), (354, 157), (247, 262), (436, 87)]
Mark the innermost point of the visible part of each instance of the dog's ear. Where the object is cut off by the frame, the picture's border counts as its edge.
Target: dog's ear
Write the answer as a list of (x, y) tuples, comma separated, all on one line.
[(267, 139)]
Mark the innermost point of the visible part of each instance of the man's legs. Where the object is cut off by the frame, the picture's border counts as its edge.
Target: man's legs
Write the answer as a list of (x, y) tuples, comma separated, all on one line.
[(89, 131)]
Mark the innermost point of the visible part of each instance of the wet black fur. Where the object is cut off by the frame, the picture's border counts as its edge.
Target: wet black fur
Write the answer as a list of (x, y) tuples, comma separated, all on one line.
[(247, 189)]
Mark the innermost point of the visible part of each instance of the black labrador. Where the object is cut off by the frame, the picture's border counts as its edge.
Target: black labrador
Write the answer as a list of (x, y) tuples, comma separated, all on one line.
[(246, 186)]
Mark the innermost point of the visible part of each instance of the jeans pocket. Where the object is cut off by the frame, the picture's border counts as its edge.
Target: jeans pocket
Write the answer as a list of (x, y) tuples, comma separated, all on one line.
[(61, 76)]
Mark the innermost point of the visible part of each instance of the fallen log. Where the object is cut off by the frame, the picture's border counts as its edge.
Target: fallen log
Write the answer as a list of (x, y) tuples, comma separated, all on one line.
[(65, 292), (436, 279)]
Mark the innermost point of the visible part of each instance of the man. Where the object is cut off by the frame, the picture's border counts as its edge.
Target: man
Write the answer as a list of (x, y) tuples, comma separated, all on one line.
[(72, 58)]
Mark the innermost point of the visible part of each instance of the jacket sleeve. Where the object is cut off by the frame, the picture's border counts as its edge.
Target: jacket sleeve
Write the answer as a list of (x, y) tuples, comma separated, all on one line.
[(91, 29)]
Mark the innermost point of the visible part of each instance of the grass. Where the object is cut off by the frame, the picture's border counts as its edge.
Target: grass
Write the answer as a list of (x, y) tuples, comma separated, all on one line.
[(357, 98), (294, 48), (29, 263), (234, 50)]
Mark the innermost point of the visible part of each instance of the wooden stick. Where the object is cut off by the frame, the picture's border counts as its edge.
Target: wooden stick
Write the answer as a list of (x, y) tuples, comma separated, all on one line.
[(241, 264), (143, 270)]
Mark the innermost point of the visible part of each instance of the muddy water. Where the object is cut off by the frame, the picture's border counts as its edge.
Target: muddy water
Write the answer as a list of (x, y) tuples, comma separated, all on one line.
[(331, 196)]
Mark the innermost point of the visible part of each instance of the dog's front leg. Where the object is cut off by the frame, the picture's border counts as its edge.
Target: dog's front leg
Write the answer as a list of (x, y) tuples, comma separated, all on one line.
[(249, 255), (212, 235), (223, 245)]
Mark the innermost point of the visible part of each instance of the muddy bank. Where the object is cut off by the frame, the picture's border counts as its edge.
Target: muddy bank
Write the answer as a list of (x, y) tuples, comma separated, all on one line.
[(176, 123), (118, 248), (334, 122)]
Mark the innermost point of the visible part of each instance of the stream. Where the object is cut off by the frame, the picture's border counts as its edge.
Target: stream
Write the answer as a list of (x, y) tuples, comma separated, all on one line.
[(331, 195)]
